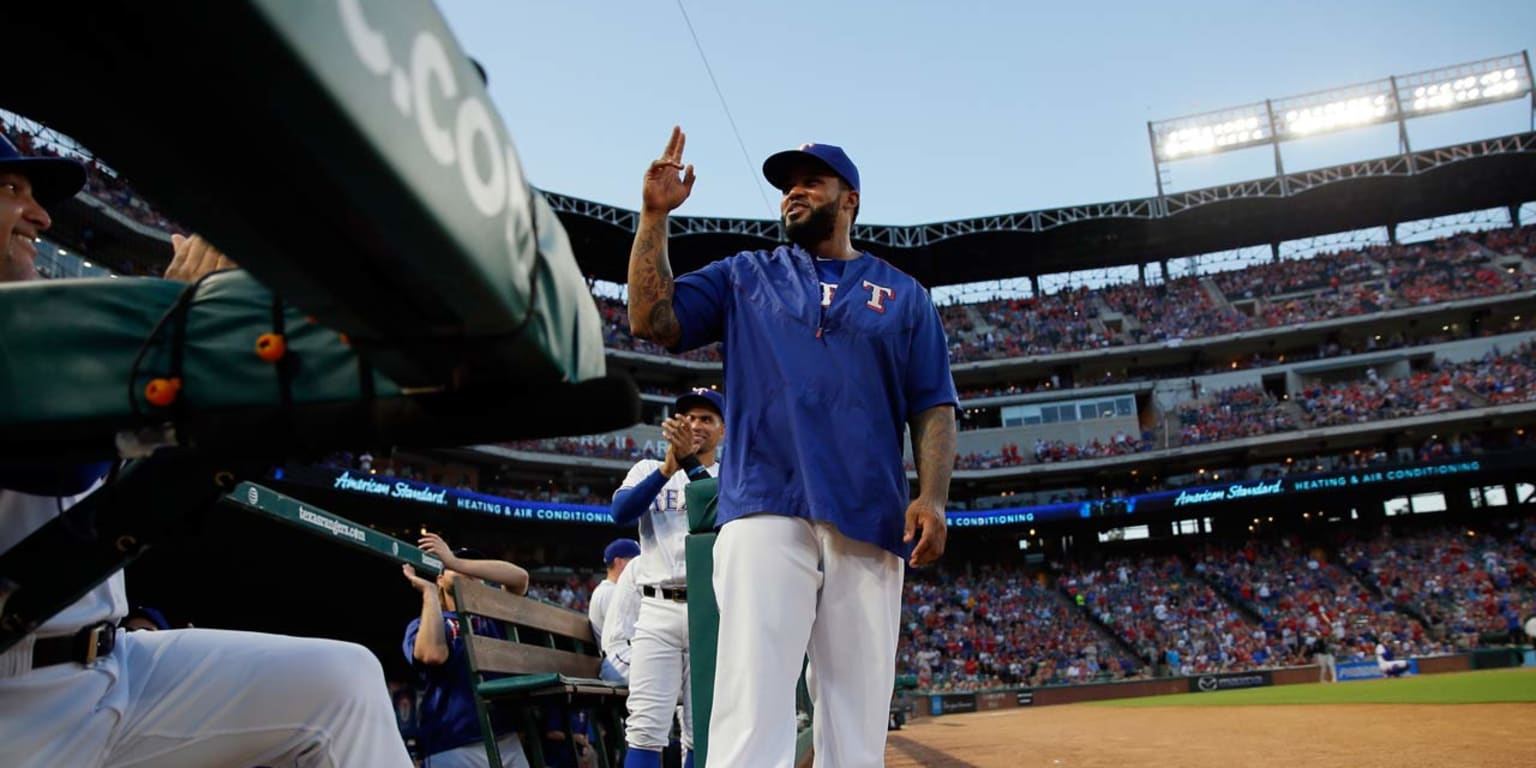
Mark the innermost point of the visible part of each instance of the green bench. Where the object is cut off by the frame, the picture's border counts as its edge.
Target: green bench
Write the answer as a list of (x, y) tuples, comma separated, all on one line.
[(549, 658)]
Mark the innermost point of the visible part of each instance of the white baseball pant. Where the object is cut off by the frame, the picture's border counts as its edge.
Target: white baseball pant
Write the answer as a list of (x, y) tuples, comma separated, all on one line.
[(658, 675), (474, 756), (787, 587), (201, 697)]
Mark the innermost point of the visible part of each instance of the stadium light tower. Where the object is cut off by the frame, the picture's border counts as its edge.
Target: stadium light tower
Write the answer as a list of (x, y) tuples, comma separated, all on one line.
[(1393, 99)]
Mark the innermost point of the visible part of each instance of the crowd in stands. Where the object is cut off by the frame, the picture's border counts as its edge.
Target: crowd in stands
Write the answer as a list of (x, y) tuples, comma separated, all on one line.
[(1233, 414), (1240, 607), (1464, 584), (1170, 618), (1357, 402), (1042, 325), (998, 628), (1499, 378), (1509, 241), (1052, 451), (1349, 301), (1181, 309), (1449, 269), (1299, 596), (1120, 444), (1319, 271), (573, 591)]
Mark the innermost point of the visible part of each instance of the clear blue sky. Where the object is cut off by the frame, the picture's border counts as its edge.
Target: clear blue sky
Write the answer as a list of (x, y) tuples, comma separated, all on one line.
[(951, 110)]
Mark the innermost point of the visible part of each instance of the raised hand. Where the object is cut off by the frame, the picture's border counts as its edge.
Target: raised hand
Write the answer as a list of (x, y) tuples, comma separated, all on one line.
[(435, 546), (421, 585), (192, 257), (664, 190)]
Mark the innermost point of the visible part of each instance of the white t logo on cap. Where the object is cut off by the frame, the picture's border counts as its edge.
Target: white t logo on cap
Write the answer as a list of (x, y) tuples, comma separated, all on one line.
[(804, 147)]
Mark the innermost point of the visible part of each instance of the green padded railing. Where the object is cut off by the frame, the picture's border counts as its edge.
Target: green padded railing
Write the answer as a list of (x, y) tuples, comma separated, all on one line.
[(307, 517)]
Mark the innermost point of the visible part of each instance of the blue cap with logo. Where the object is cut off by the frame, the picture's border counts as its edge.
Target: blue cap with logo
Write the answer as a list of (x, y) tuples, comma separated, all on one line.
[(54, 179), (698, 396), (628, 549), (776, 167)]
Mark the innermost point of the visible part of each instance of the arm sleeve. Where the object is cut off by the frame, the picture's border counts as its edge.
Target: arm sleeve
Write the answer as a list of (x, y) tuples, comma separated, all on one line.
[(928, 380), (409, 645), (630, 503), (700, 299)]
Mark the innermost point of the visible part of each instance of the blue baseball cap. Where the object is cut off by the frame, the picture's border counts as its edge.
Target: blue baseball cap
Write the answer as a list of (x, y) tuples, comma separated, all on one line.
[(54, 179), (708, 398), (628, 549), (154, 616), (776, 167)]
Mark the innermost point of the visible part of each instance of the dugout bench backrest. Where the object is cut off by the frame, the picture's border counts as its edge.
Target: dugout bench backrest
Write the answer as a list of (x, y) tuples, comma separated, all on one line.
[(549, 658)]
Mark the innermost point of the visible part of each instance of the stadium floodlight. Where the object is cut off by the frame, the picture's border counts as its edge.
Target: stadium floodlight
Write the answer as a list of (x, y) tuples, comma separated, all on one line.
[(1392, 99), (1467, 85), (1336, 109), (1219, 131)]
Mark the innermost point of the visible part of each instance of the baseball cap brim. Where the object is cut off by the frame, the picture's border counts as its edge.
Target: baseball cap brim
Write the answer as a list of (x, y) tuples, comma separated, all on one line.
[(776, 168), (54, 179)]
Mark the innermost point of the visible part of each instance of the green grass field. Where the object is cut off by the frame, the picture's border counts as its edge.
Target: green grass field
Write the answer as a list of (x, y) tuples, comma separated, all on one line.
[(1491, 686)]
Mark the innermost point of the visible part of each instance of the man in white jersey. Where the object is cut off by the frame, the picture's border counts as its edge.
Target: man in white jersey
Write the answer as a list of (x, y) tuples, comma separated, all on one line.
[(78, 692), (653, 494), (616, 556), (619, 624)]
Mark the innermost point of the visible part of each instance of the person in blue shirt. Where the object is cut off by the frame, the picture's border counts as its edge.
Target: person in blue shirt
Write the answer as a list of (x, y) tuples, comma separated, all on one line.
[(449, 725), (831, 355)]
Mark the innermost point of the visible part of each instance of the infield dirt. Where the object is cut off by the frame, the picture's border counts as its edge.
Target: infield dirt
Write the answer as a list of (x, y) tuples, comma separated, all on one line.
[(1355, 735)]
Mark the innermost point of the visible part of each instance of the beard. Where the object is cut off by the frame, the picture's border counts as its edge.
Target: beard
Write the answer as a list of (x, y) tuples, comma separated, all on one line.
[(816, 227)]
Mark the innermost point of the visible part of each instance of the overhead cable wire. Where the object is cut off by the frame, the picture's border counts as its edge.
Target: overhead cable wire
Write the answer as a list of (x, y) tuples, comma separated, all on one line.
[(745, 156)]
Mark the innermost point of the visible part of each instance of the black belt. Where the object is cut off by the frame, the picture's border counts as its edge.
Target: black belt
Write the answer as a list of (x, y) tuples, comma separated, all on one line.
[(84, 647), (680, 594)]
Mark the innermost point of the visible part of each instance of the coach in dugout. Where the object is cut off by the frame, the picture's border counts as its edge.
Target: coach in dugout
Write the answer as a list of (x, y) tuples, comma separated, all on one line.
[(830, 355), (80, 692), (450, 723)]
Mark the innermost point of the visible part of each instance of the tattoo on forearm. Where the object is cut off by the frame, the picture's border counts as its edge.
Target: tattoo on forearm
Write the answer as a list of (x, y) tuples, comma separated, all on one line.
[(664, 326), (933, 444), (650, 287)]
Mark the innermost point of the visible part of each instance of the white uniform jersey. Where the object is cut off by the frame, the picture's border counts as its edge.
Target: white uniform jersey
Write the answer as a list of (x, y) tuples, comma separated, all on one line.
[(663, 527), (20, 515), (597, 607), (623, 611)]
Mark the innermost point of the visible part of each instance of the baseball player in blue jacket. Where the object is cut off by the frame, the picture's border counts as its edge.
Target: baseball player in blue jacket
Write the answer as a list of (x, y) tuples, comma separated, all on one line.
[(830, 354)]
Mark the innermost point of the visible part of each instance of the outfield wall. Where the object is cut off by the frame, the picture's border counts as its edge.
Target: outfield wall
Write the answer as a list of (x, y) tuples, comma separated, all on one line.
[(930, 705)]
